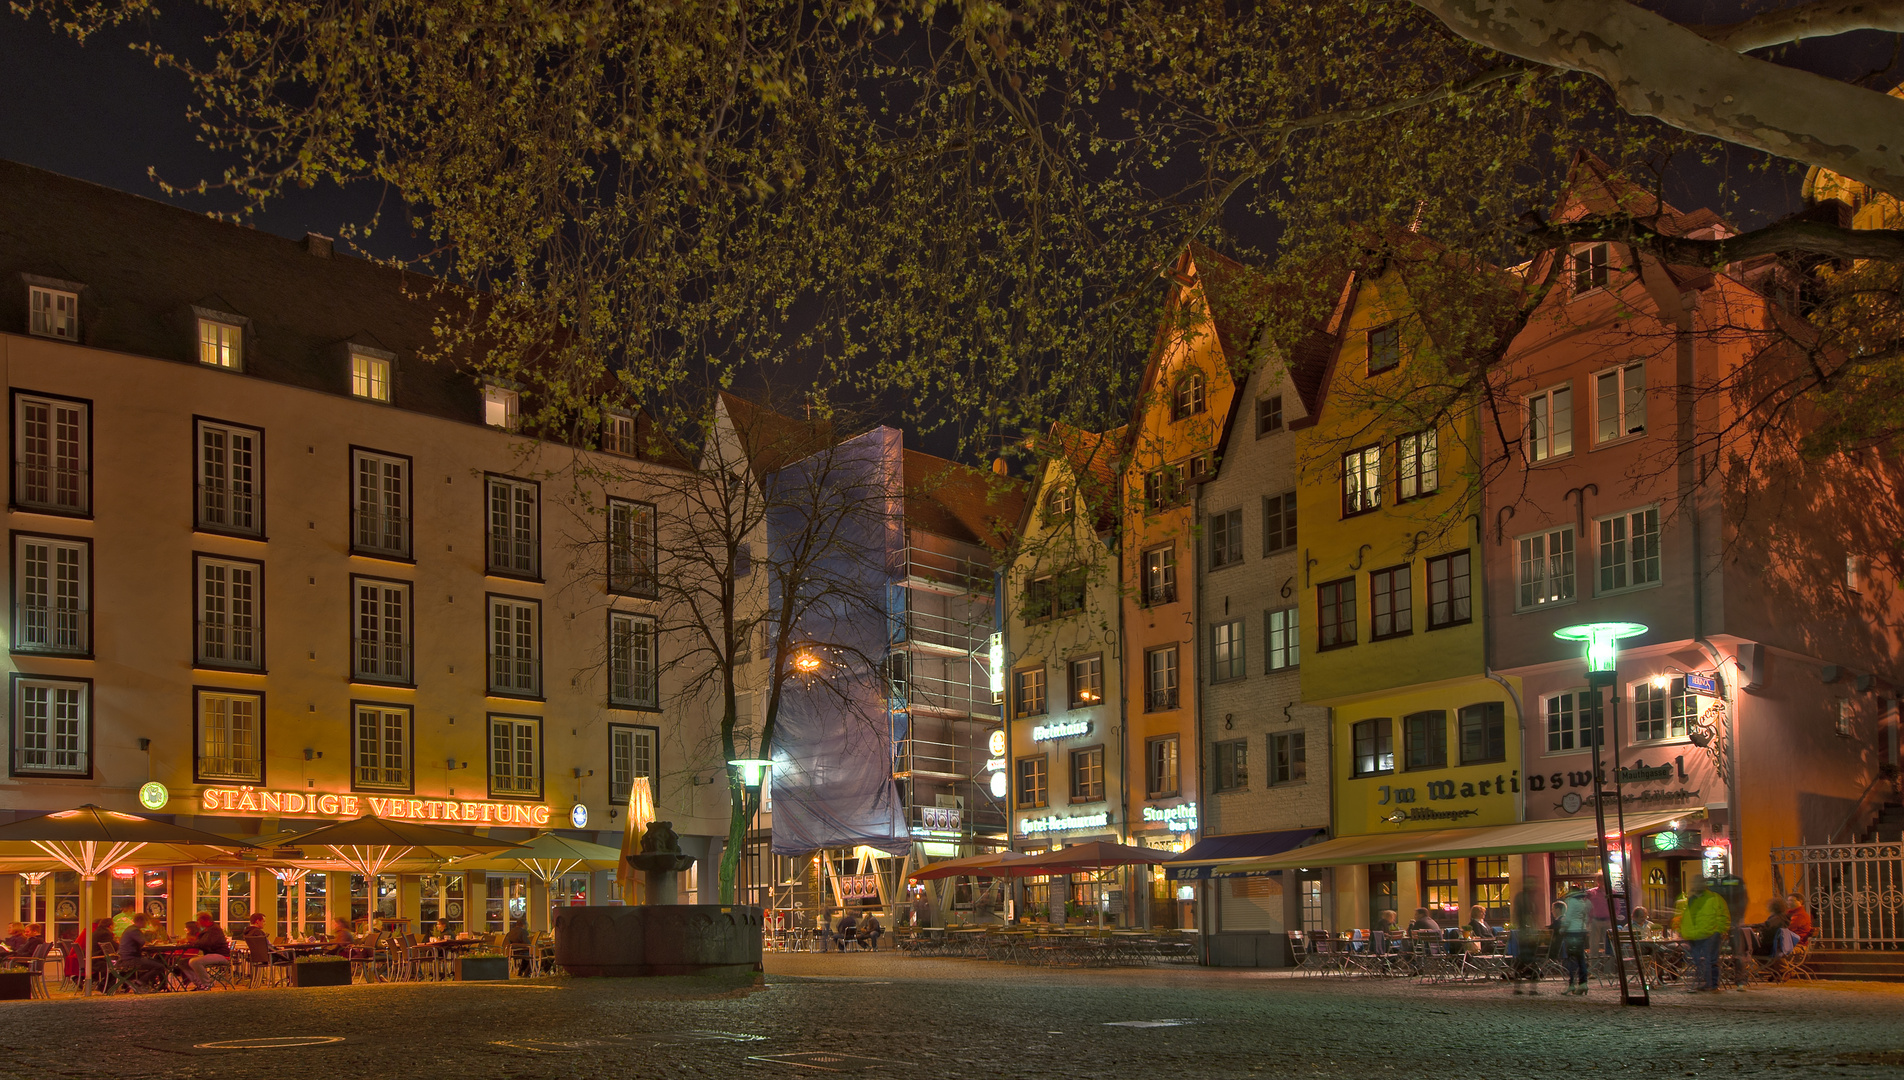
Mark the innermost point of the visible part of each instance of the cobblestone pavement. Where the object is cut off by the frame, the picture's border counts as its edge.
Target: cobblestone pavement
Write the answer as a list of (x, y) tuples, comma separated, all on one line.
[(891, 1016)]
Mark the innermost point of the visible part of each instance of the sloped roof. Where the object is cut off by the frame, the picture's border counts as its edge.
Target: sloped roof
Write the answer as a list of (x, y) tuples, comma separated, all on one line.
[(1096, 460), (960, 502), (143, 267), (773, 440)]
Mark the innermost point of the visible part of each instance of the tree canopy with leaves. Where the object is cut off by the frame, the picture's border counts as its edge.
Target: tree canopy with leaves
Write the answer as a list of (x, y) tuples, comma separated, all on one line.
[(965, 207)]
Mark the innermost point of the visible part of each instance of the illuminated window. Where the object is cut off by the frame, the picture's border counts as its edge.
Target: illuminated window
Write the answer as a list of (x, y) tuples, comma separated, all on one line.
[(220, 344), (1029, 691), (1282, 633), (631, 753), (369, 377), (1419, 465), (1374, 744), (1087, 775), (1087, 682), (1441, 886), (230, 737), (228, 478), (1034, 776), (52, 450), (515, 646), (381, 750), (515, 754), (1361, 480), (1226, 651), (502, 407)]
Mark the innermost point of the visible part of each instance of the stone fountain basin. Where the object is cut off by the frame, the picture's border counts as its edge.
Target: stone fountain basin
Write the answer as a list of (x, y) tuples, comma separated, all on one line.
[(658, 939)]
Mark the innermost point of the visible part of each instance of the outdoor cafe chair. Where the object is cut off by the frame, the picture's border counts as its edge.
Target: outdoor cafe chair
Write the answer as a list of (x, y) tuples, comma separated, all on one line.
[(264, 966)]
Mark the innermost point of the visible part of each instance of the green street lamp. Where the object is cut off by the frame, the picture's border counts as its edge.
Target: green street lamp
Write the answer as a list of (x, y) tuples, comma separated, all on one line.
[(752, 770), (1603, 643)]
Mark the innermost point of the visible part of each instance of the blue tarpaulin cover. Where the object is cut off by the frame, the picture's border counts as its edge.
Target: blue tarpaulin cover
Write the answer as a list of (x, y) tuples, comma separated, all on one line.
[(1207, 856), (832, 755)]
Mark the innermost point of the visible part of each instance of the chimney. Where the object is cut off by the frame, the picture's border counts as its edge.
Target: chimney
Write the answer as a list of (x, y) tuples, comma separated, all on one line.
[(317, 244)]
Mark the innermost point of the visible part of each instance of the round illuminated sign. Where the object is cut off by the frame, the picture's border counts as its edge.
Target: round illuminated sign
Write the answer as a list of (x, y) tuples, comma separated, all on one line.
[(998, 785), (578, 817), (997, 743), (153, 795)]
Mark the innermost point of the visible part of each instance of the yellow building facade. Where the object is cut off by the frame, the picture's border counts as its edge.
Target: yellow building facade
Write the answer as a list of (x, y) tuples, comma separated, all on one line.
[(1393, 637)]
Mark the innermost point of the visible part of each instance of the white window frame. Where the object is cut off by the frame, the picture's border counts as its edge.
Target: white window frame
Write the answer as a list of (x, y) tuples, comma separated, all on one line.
[(1282, 637), (633, 750), (221, 344), (52, 595), (372, 376), (1548, 439), (502, 407), (1084, 674), (1188, 395), (53, 313), (633, 675), (381, 491), (514, 629), (1678, 711), (229, 594), (515, 756), (1031, 691), (618, 435), (512, 515), (1229, 656), (389, 766), (380, 634), (1628, 386), (52, 454), (229, 463), (1585, 263), (1163, 665), (63, 746), (1563, 722), (227, 749), (1418, 471), (1226, 538), (1160, 575), (1537, 591), (1626, 551), (633, 549)]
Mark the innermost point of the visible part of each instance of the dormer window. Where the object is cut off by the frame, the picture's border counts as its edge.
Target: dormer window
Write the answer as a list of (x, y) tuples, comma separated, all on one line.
[(55, 312), (502, 407), (1188, 400), (369, 376), (220, 344)]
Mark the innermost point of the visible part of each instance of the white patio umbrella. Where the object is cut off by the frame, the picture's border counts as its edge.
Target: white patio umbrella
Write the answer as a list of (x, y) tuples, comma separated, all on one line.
[(91, 840), (547, 856)]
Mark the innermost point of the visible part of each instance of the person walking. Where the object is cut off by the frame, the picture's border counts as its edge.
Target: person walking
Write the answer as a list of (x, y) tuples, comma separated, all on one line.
[(1704, 926), (1731, 888), (1575, 927), (1526, 916)]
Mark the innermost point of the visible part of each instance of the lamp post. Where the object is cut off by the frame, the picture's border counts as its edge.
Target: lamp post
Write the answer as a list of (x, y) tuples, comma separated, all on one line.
[(1602, 640)]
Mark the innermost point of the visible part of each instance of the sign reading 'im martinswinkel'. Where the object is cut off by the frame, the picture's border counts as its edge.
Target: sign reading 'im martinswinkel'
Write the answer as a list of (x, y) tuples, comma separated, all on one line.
[(329, 804)]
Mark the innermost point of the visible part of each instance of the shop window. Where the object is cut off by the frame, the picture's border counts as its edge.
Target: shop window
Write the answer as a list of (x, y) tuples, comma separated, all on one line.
[(1441, 890), (303, 906), (1575, 870), (1374, 742), (505, 899), (226, 894), (1491, 883), (442, 901)]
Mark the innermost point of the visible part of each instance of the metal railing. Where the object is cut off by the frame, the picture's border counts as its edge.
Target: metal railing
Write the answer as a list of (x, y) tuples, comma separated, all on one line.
[(380, 533), (50, 487), (223, 506), (1855, 892), (41, 759), (948, 572), (1158, 700), (963, 635), (1160, 594), (50, 628), (244, 770)]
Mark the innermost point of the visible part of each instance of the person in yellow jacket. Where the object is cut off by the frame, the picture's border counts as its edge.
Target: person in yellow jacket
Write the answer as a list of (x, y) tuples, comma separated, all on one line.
[(1704, 927)]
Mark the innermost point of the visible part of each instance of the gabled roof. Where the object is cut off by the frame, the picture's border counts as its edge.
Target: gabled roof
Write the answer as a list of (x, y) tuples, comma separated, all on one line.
[(772, 440), (957, 501), (1096, 460)]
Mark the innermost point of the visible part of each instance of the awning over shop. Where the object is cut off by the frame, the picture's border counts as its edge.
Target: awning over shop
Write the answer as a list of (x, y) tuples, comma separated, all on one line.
[(1570, 834), (1215, 856)]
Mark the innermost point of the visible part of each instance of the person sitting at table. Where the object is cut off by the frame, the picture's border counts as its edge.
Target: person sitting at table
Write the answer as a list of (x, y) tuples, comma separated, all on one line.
[(35, 937), (869, 931), (1642, 924), (847, 931), (132, 953), (255, 925), (214, 950), (1424, 922), (16, 936), (1387, 924), (516, 944), (104, 945), (1797, 919), (1477, 922), (441, 931)]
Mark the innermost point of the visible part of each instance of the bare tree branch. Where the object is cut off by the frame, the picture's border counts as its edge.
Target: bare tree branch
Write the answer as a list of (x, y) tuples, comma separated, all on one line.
[(1779, 238)]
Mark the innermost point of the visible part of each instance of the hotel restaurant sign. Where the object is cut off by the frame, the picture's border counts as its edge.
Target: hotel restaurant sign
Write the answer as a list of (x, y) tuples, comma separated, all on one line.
[(246, 800)]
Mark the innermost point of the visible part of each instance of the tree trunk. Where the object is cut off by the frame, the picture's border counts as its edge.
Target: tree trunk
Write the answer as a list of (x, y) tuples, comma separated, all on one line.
[(1659, 68)]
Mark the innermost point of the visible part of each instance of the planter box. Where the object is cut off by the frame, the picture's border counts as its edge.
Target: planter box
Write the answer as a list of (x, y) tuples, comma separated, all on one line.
[(482, 968), (16, 985), (321, 973)]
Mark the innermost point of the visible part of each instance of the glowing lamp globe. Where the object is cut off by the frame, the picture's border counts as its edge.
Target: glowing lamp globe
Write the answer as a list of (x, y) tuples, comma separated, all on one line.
[(752, 770), (1602, 640)]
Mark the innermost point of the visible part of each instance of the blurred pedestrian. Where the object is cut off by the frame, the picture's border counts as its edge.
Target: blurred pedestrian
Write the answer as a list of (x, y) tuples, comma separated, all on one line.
[(1524, 942), (1704, 926), (1731, 888), (1574, 927)]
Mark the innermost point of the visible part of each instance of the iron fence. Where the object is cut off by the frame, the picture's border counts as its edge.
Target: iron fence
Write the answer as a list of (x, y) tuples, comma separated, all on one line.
[(1855, 892)]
